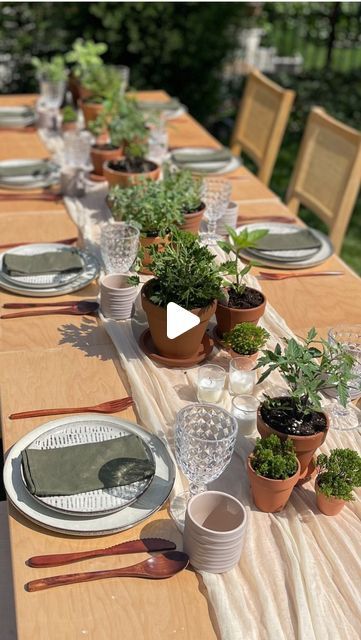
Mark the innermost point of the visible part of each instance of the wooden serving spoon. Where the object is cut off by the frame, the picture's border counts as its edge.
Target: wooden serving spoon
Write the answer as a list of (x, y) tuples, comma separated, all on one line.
[(165, 565), (79, 309)]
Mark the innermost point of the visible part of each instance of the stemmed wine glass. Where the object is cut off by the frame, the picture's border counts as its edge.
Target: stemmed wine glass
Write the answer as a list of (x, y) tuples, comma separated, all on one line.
[(216, 195), (205, 435)]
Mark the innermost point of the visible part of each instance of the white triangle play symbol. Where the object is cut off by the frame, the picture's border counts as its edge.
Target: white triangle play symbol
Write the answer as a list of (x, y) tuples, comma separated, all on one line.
[(179, 320)]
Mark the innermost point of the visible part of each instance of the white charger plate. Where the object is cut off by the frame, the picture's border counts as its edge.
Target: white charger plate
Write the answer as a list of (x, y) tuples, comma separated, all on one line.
[(214, 168), (149, 502), (44, 280)]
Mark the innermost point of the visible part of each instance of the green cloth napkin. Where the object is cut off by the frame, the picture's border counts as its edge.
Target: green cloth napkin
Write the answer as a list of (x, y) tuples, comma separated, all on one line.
[(50, 262), (36, 168), (86, 467), (303, 239), (25, 112), (157, 105), (216, 155)]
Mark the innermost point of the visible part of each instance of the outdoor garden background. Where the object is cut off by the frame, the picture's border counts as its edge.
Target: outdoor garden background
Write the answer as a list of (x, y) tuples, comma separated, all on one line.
[(195, 50)]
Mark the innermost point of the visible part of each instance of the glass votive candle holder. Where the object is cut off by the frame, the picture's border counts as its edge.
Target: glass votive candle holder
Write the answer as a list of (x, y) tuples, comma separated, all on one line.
[(241, 380), (211, 379), (244, 409)]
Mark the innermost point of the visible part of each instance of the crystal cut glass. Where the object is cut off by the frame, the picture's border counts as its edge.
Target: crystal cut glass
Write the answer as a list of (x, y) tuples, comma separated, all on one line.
[(216, 195), (119, 243)]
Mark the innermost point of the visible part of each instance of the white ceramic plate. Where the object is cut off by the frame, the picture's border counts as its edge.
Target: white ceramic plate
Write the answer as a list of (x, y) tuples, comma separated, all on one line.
[(284, 256), (32, 179), (149, 502), (44, 280), (216, 168), (325, 251), (89, 273), (16, 116), (91, 503)]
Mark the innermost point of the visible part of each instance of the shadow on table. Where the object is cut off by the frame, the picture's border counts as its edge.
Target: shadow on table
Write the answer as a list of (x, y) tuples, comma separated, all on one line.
[(89, 337)]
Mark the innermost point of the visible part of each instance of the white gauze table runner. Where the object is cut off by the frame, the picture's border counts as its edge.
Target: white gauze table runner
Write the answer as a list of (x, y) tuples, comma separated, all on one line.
[(300, 571)]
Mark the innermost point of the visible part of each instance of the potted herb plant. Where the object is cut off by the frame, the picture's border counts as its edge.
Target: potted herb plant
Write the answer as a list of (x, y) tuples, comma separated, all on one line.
[(187, 275), (186, 192), (308, 369), (239, 303), (70, 118), (338, 474), (129, 130), (104, 84), (85, 55), (273, 471), (244, 341), (105, 149)]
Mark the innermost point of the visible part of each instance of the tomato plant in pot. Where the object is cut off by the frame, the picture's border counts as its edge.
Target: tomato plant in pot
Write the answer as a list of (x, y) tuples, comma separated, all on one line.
[(85, 56), (187, 275), (129, 130), (338, 475), (104, 84), (273, 471), (239, 303), (244, 341), (308, 369)]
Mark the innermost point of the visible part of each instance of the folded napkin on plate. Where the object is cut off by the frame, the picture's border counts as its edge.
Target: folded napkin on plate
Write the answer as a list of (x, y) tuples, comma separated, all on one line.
[(303, 239), (86, 467), (35, 169), (10, 113), (209, 155), (157, 105), (50, 262)]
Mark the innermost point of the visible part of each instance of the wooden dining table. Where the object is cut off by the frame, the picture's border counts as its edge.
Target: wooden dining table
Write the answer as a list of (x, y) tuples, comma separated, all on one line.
[(60, 361)]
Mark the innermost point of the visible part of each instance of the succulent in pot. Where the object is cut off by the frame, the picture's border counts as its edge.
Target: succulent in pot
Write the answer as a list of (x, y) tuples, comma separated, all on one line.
[(273, 471), (308, 369), (239, 303), (338, 475), (70, 118), (128, 129), (244, 341), (85, 56), (186, 274)]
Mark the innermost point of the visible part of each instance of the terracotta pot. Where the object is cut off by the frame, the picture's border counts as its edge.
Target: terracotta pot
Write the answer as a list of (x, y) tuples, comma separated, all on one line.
[(69, 126), (328, 506), (246, 362), (186, 345), (269, 495), (147, 242), (229, 317), (84, 94), (305, 446), (192, 221), (91, 110), (99, 156), (127, 179)]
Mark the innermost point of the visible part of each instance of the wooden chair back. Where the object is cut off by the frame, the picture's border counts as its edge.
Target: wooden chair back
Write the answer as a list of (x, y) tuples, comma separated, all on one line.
[(261, 122), (327, 174)]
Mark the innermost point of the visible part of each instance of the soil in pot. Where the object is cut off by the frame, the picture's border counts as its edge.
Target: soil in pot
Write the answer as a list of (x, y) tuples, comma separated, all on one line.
[(193, 219), (184, 346), (124, 174), (101, 153), (249, 307), (270, 495), (307, 435), (329, 506)]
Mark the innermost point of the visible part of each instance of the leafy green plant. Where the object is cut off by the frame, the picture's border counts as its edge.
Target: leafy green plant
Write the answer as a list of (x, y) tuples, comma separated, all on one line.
[(184, 189), (53, 70), (128, 129), (69, 114), (233, 247), (308, 369), (103, 82), (339, 473), (85, 55), (274, 458), (246, 338), (186, 273), (147, 205)]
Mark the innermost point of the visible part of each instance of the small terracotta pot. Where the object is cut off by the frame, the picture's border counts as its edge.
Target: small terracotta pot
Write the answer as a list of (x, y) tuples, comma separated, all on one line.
[(91, 110), (269, 495), (147, 242), (99, 156), (186, 345), (84, 94), (246, 362), (127, 179), (305, 446), (69, 126), (328, 506), (229, 317), (192, 221)]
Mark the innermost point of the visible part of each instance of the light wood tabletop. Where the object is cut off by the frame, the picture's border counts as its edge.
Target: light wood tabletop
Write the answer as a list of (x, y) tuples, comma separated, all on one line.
[(55, 361)]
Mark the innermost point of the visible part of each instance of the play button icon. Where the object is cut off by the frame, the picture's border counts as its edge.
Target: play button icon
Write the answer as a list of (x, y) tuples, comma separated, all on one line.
[(179, 320)]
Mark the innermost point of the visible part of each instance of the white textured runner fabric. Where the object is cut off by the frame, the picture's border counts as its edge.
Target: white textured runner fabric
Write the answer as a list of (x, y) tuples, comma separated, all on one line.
[(299, 576)]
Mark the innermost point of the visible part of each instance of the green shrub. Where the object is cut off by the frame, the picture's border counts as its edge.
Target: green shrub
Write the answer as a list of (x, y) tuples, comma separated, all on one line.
[(246, 338), (273, 458), (339, 473)]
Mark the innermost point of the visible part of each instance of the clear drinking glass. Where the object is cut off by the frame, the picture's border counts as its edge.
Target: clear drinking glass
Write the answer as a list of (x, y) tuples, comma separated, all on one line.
[(216, 195), (77, 145), (119, 243), (124, 72), (241, 381), (244, 409), (52, 93), (205, 436), (158, 144), (211, 379)]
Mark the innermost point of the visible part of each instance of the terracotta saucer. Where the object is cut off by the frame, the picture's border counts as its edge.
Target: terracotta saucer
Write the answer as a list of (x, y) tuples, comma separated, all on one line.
[(95, 178), (147, 345)]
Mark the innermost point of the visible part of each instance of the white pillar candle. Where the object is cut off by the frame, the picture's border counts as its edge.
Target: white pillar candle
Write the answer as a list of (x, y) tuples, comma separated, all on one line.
[(241, 382), (209, 390), (244, 409)]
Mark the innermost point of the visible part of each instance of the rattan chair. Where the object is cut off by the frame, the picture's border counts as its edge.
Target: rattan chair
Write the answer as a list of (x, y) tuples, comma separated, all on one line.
[(261, 122), (327, 174)]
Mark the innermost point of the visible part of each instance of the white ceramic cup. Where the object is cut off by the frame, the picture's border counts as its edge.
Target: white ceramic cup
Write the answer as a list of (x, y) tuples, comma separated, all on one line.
[(117, 296), (214, 531), (228, 219)]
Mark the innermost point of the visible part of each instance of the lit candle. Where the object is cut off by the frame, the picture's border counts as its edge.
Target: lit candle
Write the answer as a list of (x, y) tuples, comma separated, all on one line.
[(244, 409), (211, 380)]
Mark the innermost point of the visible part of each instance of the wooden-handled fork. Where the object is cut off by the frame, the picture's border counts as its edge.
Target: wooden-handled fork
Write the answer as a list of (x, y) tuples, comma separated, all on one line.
[(112, 406)]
